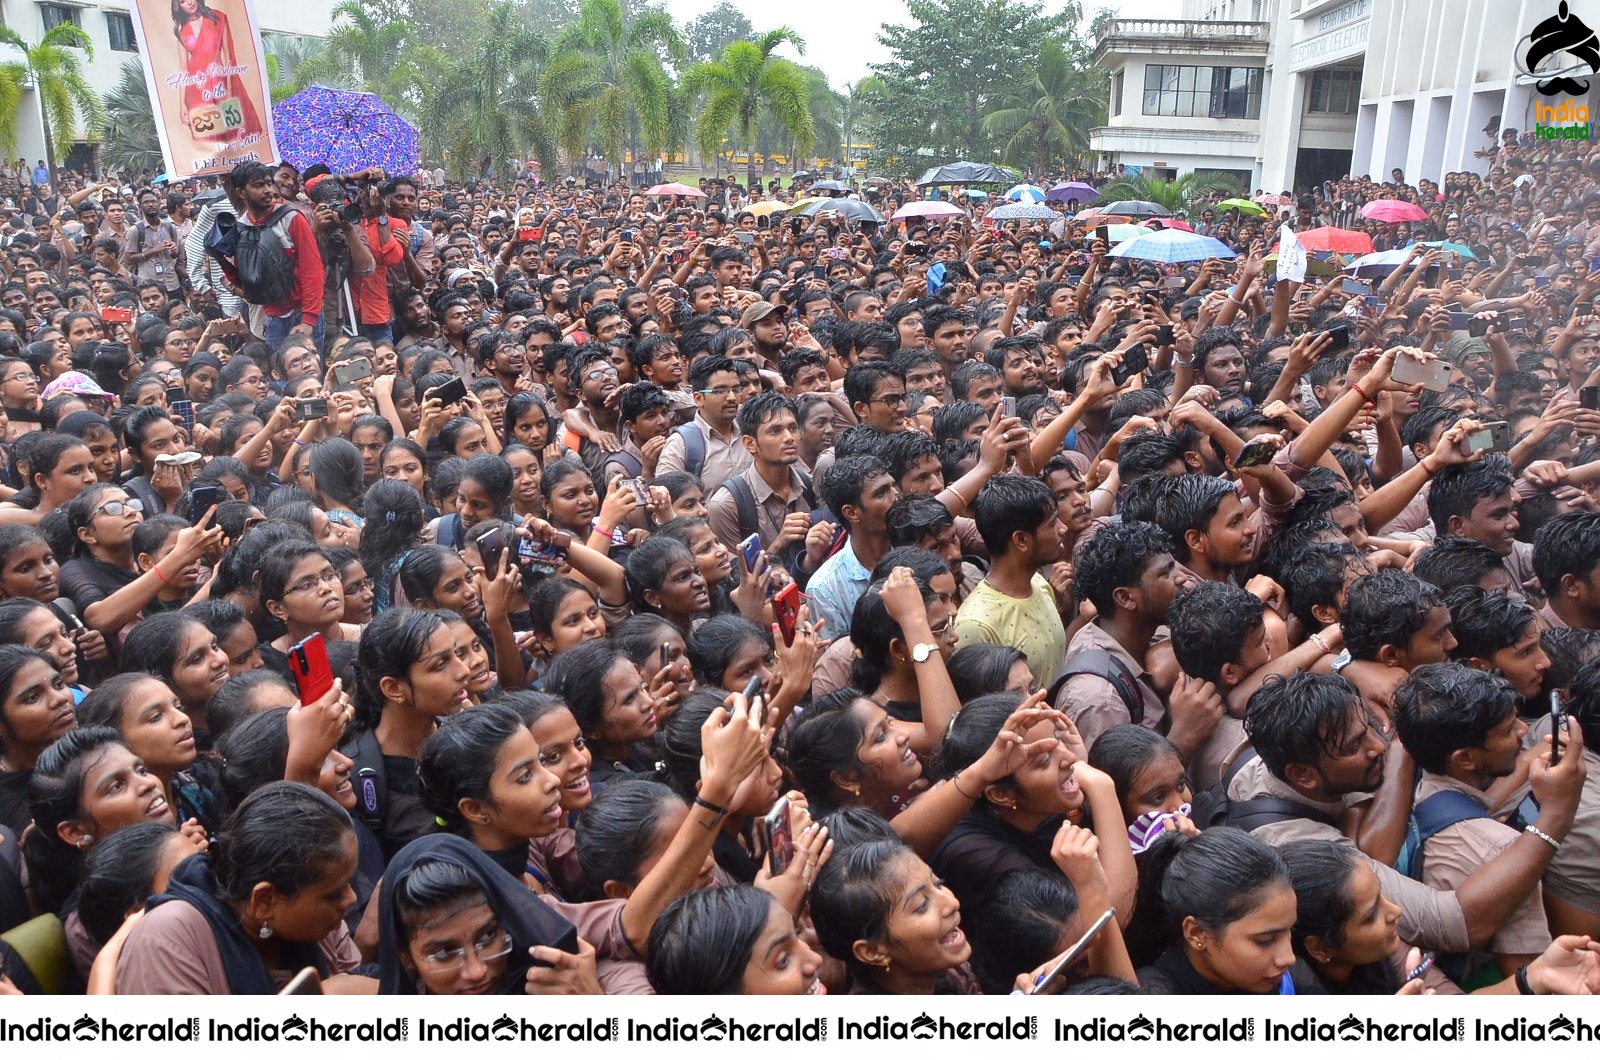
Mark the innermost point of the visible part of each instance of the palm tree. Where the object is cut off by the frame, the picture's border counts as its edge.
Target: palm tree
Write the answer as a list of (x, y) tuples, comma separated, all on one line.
[(68, 107), (1050, 117), (482, 110), (1180, 195), (607, 74), (747, 82), (858, 101), (369, 52), (128, 143)]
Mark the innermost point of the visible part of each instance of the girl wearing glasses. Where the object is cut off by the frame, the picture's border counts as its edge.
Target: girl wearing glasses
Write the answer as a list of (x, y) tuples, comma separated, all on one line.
[(301, 589), (101, 577)]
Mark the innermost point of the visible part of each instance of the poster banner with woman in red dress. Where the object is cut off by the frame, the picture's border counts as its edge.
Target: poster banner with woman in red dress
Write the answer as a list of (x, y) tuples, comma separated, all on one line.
[(204, 66)]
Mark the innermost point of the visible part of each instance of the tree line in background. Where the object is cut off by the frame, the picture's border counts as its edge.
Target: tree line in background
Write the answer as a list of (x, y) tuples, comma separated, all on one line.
[(492, 82)]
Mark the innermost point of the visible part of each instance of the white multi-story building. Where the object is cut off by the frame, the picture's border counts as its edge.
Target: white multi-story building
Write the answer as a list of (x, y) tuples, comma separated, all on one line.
[(110, 30), (1187, 94), (1345, 86)]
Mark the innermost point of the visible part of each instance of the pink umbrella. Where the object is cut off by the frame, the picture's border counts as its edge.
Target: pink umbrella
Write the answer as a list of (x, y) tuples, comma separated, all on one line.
[(675, 189), (1393, 211), (1338, 240), (1158, 223), (927, 208)]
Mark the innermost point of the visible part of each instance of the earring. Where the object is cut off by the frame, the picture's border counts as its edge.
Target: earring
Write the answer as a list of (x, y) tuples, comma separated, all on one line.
[(266, 931), (85, 840), (888, 962), (855, 791)]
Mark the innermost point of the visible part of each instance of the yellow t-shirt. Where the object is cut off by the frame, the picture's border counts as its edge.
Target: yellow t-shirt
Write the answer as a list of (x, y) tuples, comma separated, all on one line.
[(1032, 626)]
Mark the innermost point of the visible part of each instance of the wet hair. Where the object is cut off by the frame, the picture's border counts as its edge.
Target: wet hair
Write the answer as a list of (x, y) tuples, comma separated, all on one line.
[(118, 875), (972, 732), (1123, 752), (150, 535), (1301, 719), (980, 669), (1457, 489), (1386, 607), (458, 760), (617, 830), (55, 796), (1569, 544), (1315, 576), (714, 643), (491, 471), (824, 741), (1210, 625), (648, 566), (1190, 502), (914, 516), (1020, 922), (155, 644), (336, 465), (393, 519), (1320, 871), (284, 834), (1446, 707), (421, 570), (13, 613), (872, 630), (703, 941), (1451, 562), (639, 638), (578, 676), (853, 897), (1216, 877), (1485, 622), (134, 429), (434, 888), (390, 644), (235, 700), (680, 741), (1114, 557), (557, 472), (545, 599), (253, 753), (14, 537)]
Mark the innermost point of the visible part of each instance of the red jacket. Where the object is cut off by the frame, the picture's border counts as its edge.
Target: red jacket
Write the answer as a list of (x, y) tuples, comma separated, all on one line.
[(308, 278)]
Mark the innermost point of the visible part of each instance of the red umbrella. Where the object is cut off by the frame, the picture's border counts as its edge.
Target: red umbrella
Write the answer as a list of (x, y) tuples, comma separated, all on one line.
[(1338, 240), (1393, 211)]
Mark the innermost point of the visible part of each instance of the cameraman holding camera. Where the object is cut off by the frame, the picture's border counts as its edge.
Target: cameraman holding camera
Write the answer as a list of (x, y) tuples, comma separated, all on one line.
[(338, 215)]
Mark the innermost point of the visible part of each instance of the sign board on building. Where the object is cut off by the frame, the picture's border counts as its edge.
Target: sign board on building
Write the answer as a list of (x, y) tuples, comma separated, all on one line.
[(1341, 33)]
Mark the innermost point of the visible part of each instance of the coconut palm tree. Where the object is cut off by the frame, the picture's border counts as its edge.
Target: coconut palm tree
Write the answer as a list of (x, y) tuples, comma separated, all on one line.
[(369, 52), (858, 101), (1049, 117), (746, 83), (68, 107), (128, 143), (607, 76), (1180, 195), (482, 111)]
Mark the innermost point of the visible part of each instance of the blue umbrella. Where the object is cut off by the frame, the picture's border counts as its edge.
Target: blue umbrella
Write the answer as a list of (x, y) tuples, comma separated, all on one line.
[(1025, 193), (1172, 245), (1023, 211), (345, 131)]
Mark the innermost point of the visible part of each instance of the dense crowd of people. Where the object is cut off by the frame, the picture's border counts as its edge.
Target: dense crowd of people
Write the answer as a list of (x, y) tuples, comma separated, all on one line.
[(549, 588)]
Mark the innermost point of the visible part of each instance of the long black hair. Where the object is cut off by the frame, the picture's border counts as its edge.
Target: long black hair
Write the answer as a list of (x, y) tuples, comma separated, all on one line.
[(703, 941)]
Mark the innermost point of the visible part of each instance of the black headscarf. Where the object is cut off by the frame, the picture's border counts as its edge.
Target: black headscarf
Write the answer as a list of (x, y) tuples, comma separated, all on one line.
[(519, 911), (193, 882)]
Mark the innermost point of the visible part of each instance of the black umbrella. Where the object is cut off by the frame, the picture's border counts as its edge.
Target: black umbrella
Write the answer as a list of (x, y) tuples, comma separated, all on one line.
[(967, 173)]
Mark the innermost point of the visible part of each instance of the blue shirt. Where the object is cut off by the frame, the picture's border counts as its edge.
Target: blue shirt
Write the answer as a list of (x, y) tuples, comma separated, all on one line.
[(835, 588)]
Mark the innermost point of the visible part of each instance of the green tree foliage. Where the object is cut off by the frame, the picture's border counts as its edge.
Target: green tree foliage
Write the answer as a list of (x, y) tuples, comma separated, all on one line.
[(1050, 114), (607, 79), (1183, 194), (128, 143), (483, 111), (715, 30), (747, 82), (71, 109), (953, 63)]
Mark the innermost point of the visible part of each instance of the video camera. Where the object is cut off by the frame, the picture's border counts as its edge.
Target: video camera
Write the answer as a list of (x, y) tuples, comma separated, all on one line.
[(345, 198)]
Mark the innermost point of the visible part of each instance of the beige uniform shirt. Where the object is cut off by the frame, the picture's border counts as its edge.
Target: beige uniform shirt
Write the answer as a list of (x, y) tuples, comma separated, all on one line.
[(1092, 702), (726, 456), (722, 510), (1429, 918)]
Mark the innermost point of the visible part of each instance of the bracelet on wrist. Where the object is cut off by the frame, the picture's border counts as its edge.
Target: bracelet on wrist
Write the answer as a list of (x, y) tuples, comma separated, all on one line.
[(955, 782), (1366, 398), (1535, 830), (1426, 470), (1523, 986), (160, 577), (702, 801)]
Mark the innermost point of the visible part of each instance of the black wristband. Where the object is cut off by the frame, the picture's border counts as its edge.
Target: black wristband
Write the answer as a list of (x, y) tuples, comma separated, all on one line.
[(1522, 981), (722, 811)]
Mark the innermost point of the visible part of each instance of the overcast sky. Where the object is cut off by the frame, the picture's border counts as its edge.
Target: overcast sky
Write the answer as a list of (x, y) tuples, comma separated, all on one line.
[(842, 35)]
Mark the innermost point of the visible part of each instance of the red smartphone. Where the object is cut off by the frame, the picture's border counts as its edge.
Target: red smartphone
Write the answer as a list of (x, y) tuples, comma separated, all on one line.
[(786, 610), (116, 314), (308, 661)]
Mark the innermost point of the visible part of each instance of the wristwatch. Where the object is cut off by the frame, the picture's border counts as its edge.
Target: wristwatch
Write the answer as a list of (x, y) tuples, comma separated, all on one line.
[(921, 653)]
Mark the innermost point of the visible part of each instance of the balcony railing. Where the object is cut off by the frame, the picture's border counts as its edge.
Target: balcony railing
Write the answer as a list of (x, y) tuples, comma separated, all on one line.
[(1189, 29)]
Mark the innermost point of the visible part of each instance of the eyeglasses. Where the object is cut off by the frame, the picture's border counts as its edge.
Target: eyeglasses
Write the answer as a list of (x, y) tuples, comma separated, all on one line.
[(944, 628), (365, 585), (132, 504), (893, 401), (721, 391), (487, 950), (598, 373), (19, 377), (309, 585)]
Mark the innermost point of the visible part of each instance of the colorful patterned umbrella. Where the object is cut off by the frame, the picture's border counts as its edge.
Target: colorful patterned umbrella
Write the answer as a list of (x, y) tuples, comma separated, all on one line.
[(1023, 211), (1025, 193), (1172, 244), (345, 131)]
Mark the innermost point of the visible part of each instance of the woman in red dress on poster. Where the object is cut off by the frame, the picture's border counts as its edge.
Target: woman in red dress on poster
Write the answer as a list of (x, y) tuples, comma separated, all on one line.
[(208, 41)]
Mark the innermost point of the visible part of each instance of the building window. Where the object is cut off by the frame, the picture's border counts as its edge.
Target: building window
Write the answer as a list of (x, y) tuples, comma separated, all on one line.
[(1202, 91), (119, 28), (1116, 93), (1334, 91), (55, 14)]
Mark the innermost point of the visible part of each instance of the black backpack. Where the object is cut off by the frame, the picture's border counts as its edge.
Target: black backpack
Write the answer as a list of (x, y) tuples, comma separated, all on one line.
[(745, 500), (1104, 665), (262, 262), (1213, 808)]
